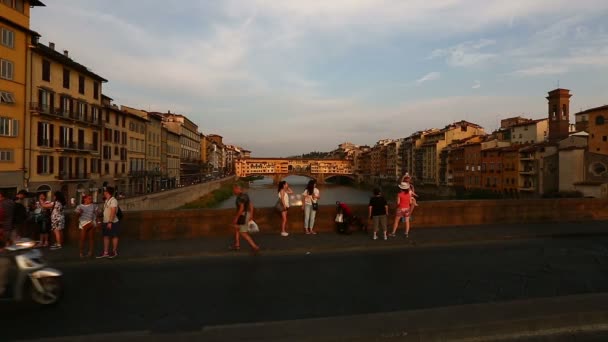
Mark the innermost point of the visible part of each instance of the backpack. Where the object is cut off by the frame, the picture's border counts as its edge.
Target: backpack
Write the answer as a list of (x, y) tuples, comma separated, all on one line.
[(19, 214), (119, 214)]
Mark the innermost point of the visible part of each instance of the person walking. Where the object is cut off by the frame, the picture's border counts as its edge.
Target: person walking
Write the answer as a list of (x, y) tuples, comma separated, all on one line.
[(42, 219), (57, 218), (284, 192), (87, 216), (378, 213), (404, 200), (311, 196), (244, 215), (111, 225)]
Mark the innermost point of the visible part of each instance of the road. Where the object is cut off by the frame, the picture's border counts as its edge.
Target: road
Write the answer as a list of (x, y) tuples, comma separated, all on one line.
[(180, 295)]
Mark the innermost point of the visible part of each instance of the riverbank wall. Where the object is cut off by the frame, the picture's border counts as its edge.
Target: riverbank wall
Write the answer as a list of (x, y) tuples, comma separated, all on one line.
[(200, 223)]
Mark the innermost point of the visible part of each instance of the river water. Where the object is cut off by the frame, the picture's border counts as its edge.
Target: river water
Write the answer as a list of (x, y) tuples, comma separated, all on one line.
[(264, 194)]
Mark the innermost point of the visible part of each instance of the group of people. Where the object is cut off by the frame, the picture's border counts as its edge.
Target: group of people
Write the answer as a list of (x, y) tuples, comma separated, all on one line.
[(48, 219), (378, 210)]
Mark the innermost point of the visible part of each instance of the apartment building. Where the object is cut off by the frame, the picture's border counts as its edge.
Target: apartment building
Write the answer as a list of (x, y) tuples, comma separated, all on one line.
[(173, 158), (595, 122), (538, 170), (153, 147), (63, 151), (529, 132), (190, 147), (472, 166), (216, 152), (114, 146), (136, 150), (15, 37)]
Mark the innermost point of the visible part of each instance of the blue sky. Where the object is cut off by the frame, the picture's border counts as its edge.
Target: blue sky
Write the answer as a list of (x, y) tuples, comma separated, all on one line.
[(288, 77)]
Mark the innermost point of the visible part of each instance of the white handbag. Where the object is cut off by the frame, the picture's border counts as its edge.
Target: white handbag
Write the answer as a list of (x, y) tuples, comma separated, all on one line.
[(339, 218)]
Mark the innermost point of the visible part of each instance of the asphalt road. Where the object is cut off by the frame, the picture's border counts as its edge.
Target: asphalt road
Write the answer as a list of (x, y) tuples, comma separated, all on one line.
[(177, 295)]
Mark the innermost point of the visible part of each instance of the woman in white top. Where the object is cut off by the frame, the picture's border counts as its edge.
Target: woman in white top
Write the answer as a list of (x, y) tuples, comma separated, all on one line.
[(311, 195), (284, 192), (87, 220)]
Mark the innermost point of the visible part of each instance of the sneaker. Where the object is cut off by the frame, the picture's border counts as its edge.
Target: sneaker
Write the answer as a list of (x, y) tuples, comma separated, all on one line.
[(104, 255), (407, 235), (375, 237), (113, 255), (56, 246), (284, 234), (385, 237)]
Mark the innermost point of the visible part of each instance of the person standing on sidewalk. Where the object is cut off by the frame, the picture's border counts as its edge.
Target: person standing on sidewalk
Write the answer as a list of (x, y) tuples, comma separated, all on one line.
[(408, 179), (244, 214), (404, 201), (57, 218), (110, 228), (284, 192), (87, 215), (42, 219), (311, 196), (378, 212)]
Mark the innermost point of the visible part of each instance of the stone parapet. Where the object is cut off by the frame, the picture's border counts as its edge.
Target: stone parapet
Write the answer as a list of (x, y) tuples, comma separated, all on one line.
[(199, 223)]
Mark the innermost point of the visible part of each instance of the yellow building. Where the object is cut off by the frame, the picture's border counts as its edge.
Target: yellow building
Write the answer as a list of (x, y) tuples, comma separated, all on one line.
[(136, 150), (63, 145), (172, 154), (15, 37), (153, 159), (114, 146)]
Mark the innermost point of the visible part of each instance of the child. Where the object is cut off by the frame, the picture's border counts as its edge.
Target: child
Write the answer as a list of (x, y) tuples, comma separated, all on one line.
[(378, 212)]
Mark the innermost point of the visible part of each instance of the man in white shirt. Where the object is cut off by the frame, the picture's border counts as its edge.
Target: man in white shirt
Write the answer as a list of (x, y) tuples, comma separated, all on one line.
[(111, 225)]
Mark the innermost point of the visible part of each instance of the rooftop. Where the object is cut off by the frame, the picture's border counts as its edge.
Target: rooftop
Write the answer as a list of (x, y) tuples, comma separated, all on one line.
[(65, 60)]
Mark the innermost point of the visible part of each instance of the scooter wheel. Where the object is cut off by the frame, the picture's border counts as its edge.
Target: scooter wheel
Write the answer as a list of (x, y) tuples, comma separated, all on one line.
[(53, 289)]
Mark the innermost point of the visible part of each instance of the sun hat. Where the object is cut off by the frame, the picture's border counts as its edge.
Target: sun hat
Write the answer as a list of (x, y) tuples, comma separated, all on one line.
[(404, 186)]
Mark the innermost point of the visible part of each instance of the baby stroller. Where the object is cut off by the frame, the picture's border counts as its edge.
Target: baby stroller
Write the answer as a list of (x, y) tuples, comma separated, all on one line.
[(345, 220)]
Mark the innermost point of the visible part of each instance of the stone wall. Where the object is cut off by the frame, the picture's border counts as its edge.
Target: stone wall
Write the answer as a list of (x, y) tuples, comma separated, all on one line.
[(171, 199), (197, 223)]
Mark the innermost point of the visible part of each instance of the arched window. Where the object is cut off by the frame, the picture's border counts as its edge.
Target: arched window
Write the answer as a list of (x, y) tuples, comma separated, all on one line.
[(564, 111), (599, 120)]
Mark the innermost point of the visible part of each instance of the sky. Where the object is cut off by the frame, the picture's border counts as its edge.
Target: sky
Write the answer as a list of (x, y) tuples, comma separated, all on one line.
[(286, 77)]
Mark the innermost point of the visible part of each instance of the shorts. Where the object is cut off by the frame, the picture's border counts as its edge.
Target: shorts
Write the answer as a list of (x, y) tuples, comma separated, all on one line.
[(244, 228), (403, 212), (114, 232), (379, 222)]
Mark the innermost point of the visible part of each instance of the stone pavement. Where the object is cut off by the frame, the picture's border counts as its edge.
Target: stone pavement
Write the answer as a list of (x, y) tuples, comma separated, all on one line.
[(299, 243)]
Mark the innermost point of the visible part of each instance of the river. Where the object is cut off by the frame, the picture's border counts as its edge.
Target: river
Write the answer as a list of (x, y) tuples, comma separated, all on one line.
[(264, 194)]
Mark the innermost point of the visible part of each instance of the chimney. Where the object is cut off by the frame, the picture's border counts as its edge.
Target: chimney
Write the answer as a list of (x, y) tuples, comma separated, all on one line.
[(52, 45), (65, 53)]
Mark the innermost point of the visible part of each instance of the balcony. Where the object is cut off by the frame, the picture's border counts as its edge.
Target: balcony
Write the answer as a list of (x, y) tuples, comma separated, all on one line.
[(75, 146), (76, 176), (65, 114), (527, 171)]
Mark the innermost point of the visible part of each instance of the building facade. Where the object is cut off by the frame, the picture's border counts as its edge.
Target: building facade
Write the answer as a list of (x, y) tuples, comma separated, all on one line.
[(136, 150), (114, 145), (190, 147), (15, 38), (63, 151)]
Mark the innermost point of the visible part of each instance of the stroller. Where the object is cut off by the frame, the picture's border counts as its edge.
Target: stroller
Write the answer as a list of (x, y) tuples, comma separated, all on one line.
[(346, 221)]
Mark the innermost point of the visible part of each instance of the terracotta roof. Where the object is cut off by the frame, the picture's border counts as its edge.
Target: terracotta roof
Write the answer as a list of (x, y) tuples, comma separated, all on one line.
[(596, 109), (528, 123)]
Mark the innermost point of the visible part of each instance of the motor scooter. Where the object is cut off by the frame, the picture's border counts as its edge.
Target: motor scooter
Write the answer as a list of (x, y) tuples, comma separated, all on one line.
[(29, 278)]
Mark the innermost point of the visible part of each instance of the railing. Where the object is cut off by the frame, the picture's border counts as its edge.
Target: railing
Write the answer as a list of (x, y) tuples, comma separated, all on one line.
[(77, 146), (73, 176), (58, 112)]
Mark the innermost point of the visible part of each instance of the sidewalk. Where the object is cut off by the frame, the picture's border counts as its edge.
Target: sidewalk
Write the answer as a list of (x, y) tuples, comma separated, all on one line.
[(299, 243)]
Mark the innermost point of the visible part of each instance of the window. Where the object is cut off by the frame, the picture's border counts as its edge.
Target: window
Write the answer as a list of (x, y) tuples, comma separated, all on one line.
[(116, 137), (94, 114), (44, 164), (46, 70), (9, 127), (66, 136), (45, 134), (115, 150), (66, 105), (107, 135), (95, 140), (8, 38), (6, 155), (6, 69), (599, 120), (81, 84), (598, 168), (124, 138), (107, 152), (124, 121), (108, 116), (106, 168), (95, 165), (123, 167), (96, 90), (66, 78), (6, 97), (604, 138), (81, 110)]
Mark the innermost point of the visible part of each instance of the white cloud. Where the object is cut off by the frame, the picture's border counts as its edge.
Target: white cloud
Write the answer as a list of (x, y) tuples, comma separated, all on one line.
[(476, 85), (465, 54), (431, 76), (542, 70)]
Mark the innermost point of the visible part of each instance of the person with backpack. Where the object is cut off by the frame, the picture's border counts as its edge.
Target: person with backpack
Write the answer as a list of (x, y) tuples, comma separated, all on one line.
[(110, 226)]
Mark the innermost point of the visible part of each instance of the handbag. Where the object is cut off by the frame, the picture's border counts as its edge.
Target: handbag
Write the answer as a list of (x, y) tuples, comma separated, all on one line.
[(253, 227), (279, 206), (315, 206), (86, 225), (339, 218)]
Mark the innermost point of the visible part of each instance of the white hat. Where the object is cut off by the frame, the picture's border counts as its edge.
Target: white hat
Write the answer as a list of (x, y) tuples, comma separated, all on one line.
[(406, 175), (404, 186)]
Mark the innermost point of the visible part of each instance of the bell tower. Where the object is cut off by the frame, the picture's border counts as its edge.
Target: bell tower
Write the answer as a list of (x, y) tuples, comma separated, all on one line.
[(559, 114)]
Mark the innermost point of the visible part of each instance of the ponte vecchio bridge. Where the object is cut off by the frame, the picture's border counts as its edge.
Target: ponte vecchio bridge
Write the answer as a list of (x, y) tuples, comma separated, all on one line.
[(278, 168)]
